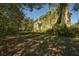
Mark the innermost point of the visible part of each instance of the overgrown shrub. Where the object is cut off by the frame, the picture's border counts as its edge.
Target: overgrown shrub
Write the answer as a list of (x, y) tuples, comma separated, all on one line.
[(62, 31)]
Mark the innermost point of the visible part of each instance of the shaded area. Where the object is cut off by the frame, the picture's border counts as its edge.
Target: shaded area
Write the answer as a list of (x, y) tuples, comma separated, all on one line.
[(38, 44)]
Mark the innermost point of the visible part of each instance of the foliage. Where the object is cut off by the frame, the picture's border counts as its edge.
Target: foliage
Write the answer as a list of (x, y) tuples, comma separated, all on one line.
[(32, 6), (10, 18), (76, 7), (27, 24), (65, 32)]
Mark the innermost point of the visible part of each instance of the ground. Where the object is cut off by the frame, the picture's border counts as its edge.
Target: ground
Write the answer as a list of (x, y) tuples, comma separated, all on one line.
[(38, 44)]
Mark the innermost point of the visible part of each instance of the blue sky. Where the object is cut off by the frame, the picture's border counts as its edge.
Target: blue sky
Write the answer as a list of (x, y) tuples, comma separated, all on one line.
[(37, 13), (75, 15)]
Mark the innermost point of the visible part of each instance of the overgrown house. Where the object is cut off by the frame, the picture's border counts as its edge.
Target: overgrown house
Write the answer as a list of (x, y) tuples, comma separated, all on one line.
[(49, 19)]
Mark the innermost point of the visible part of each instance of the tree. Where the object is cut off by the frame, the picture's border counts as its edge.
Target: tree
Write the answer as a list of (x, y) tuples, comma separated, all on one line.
[(10, 17), (76, 7), (32, 6), (64, 14)]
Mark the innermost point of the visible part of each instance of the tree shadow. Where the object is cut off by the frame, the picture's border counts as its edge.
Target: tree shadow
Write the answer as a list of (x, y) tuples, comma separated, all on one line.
[(40, 44)]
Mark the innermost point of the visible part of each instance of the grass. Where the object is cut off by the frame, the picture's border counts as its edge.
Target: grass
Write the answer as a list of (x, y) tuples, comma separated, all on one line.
[(29, 44)]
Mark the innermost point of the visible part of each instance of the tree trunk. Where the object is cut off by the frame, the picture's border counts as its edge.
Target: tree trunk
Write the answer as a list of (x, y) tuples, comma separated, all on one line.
[(67, 19), (63, 19)]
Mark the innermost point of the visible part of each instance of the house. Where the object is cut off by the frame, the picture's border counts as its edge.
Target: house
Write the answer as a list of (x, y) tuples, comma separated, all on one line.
[(37, 25), (49, 19)]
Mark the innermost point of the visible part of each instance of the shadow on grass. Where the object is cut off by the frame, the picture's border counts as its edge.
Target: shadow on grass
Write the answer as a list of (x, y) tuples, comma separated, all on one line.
[(39, 44)]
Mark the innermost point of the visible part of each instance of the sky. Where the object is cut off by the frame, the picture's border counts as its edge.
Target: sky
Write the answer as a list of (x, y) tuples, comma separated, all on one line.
[(37, 13), (75, 15)]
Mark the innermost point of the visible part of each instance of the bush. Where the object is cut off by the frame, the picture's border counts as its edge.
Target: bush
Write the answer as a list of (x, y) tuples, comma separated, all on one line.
[(62, 31)]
